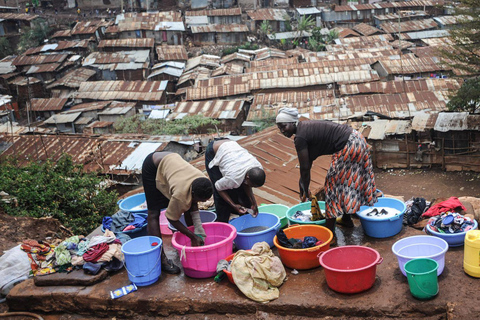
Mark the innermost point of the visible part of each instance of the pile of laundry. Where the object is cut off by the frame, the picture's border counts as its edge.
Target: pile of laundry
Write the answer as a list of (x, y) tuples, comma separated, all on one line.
[(451, 222), (76, 252), (302, 216), (292, 243), (124, 221)]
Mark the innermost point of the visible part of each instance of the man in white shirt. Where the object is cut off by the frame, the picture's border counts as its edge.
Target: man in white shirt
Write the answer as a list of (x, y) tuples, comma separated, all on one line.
[(233, 172)]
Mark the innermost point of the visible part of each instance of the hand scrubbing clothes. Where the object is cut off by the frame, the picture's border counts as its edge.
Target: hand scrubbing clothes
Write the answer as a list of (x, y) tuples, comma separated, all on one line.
[(197, 224)]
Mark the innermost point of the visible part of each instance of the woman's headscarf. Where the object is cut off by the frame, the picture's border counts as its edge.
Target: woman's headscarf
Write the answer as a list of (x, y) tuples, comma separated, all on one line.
[(287, 115)]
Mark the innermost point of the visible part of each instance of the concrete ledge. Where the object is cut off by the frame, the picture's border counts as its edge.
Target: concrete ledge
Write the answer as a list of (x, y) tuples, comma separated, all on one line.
[(305, 294)]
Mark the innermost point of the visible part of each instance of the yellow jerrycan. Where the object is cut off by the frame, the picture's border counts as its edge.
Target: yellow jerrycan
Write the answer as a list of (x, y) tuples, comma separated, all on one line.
[(471, 257)]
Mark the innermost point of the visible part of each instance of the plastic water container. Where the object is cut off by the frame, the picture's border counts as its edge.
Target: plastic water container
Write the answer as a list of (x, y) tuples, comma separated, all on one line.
[(383, 227), (304, 206), (279, 210), (142, 259), (471, 258), (130, 203), (414, 247), (246, 240), (201, 262), (164, 229), (453, 239), (422, 278)]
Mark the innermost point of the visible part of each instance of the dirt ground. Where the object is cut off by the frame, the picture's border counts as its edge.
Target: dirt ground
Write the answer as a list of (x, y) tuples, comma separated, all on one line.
[(431, 184)]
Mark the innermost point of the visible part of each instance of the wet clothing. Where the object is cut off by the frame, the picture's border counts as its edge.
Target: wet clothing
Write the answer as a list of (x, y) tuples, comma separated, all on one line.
[(170, 185), (350, 181), (321, 137), (238, 195)]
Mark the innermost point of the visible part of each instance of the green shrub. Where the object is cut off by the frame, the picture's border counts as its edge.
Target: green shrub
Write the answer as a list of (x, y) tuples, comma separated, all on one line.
[(62, 191)]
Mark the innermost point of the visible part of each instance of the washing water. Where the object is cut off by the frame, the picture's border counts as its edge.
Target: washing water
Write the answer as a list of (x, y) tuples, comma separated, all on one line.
[(254, 229), (379, 212)]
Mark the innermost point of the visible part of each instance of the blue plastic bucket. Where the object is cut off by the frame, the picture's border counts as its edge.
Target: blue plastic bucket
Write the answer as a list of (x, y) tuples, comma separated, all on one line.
[(142, 259), (386, 227), (245, 241), (279, 210), (205, 216), (129, 203), (305, 206)]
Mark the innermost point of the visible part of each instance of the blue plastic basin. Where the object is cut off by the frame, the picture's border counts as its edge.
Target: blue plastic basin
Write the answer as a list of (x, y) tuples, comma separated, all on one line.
[(453, 239), (387, 227), (131, 202), (245, 241)]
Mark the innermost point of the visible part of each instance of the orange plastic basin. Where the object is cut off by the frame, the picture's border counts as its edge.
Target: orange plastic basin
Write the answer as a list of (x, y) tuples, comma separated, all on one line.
[(303, 259)]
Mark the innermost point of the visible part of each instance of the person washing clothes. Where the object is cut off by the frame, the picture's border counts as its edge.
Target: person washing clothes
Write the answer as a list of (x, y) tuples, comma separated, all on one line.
[(350, 182), (234, 172), (171, 182)]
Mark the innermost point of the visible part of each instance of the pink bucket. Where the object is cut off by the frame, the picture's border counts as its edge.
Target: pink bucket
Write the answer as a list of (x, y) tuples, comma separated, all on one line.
[(201, 262), (164, 229)]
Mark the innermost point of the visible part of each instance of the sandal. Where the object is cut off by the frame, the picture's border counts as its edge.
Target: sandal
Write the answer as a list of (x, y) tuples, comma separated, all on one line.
[(170, 267)]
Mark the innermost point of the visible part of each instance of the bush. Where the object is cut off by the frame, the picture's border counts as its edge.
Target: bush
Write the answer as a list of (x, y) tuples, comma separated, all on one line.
[(62, 191)]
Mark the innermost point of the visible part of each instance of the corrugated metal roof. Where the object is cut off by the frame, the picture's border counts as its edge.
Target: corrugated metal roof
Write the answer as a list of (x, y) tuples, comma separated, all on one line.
[(420, 120), (195, 74), (60, 46), (25, 60), (98, 58), (415, 85), (167, 53), (269, 14), (420, 35), (227, 69), (345, 32), (127, 43), (270, 54), (215, 109), (203, 60), (63, 118), (174, 72), (220, 28), (44, 68), (159, 114), (279, 159), (6, 67), (349, 56), (109, 111), (73, 78), (235, 56), (18, 16), (379, 129), (150, 16), (122, 90), (305, 11), (409, 66), (83, 120), (48, 104), (100, 124), (155, 21), (365, 39), (323, 65), (90, 106), (452, 121), (215, 12), (23, 81), (134, 161), (170, 64), (399, 5), (406, 26), (289, 35), (402, 45), (89, 26), (266, 105), (196, 21), (62, 34), (366, 29), (451, 20)]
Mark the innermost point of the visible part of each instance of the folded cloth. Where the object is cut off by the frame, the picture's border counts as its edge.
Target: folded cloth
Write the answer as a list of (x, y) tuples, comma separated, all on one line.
[(114, 250), (95, 252)]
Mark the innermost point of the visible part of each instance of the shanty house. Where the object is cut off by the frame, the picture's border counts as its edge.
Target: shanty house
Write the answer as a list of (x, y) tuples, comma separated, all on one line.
[(276, 18), (44, 108), (78, 47), (218, 16), (141, 92), (165, 27), (410, 68), (12, 23), (122, 65), (99, 127), (62, 122), (70, 82), (90, 29), (172, 53), (308, 13), (169, 70), (231, 113), (116, 111), (223, 34)]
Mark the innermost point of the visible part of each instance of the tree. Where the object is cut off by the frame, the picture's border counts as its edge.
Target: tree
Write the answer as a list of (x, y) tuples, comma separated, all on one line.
[(33, 37), (265, 29), (465, 52), (60, 190), (5, 48), (304, 24), (467, 97)]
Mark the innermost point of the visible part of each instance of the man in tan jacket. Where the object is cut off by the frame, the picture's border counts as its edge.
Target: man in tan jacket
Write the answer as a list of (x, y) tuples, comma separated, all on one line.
[(171, 182)]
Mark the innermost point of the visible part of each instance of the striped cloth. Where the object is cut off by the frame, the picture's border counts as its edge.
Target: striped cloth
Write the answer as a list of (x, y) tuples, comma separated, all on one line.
[(350, 182)]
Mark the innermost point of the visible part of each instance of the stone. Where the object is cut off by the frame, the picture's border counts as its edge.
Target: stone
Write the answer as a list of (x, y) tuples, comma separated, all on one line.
[(74, 278)]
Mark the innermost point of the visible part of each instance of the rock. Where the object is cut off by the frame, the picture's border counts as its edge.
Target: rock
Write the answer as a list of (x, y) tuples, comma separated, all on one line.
[(475, 203)]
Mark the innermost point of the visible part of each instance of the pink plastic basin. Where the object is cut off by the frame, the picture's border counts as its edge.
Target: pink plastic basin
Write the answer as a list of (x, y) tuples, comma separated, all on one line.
[(164, 224), (201, 262)]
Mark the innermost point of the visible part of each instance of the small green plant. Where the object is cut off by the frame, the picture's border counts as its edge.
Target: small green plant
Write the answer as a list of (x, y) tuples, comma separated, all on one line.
[(5, 48), (33, 37), (60, 190)]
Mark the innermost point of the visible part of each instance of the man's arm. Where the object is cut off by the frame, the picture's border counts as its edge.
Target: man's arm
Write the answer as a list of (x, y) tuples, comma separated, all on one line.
[(236, 207), (305, 166), (249, 191)]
